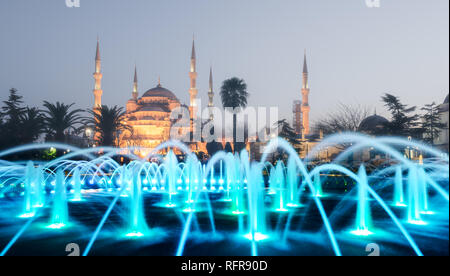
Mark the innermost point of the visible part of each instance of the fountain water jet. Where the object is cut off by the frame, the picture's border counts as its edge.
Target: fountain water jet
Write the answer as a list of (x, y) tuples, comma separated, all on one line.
[(398, 187), (363, 216), (60, 214)]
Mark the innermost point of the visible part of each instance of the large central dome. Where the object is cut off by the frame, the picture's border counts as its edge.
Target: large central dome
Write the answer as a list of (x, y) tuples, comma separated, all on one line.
[(160, 91)]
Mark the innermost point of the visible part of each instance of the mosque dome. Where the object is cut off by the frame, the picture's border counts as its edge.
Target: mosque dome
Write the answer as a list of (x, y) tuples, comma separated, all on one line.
[(372, 124), (160, 91)]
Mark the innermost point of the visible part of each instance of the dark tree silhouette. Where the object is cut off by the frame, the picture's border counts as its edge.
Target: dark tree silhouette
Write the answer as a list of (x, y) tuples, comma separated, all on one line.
[(286, 132), (234, 95), (58, 119), (213, 148), (108, 123), (431, 122), (12, 112), (402, 122), (32, 122), (228, 147)]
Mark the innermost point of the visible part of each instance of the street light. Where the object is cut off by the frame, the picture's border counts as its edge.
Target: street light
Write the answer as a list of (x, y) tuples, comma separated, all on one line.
[(88, 133)]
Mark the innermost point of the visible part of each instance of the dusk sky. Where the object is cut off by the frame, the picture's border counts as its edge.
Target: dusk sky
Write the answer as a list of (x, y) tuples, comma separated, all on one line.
[(355, 53)]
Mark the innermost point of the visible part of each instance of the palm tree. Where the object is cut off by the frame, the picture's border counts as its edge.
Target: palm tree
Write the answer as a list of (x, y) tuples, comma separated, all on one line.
[(59, 118), (32, 123), (234, 95), (108, 123)]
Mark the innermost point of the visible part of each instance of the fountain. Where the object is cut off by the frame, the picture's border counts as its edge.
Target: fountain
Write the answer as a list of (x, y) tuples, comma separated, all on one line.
[(60, 213), (200, 205), (363, 216)]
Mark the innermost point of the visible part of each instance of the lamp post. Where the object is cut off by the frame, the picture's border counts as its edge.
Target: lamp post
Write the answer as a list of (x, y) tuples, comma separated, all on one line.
[(88, 133)]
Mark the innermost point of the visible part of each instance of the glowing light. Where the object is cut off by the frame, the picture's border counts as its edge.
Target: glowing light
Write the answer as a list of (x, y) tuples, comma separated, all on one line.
[(27, 215), (417, 222), (258, 237), (292, 205), (189, 210), (427, 212), (237, 212), (171, 205), (134, 235), (221, 181), (282, 210), (56, 226), (361, 232)]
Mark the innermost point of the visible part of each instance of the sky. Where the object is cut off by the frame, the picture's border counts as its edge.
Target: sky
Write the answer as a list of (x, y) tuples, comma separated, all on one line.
[(355, 53)]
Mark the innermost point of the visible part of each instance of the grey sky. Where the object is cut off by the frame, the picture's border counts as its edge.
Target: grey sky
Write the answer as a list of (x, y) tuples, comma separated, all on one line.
[(355, 53)]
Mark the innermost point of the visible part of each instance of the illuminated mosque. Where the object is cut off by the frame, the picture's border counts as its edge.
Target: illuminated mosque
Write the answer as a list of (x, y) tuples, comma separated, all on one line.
[(149, 115)]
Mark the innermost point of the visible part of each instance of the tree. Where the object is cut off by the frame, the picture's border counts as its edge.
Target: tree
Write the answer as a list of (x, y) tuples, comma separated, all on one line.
[(431, 122), (402, 123), (213, 148), (345, 118), (32, 123), (234, 95), (228, 148), (286, 132), (11, 127), (108, 123), (58, 119)]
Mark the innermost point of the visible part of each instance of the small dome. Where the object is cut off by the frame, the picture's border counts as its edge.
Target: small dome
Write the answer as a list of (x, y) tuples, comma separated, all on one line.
[(160, 91), (372, 123)]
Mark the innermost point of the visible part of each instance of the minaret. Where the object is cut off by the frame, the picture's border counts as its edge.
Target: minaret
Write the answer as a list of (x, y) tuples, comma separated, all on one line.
[(305, 99), (135, 85), (211, 95), (193, 89), (98, 79)]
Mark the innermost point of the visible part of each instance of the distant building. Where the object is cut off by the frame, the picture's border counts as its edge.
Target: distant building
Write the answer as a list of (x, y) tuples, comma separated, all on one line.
[(373, 125)]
